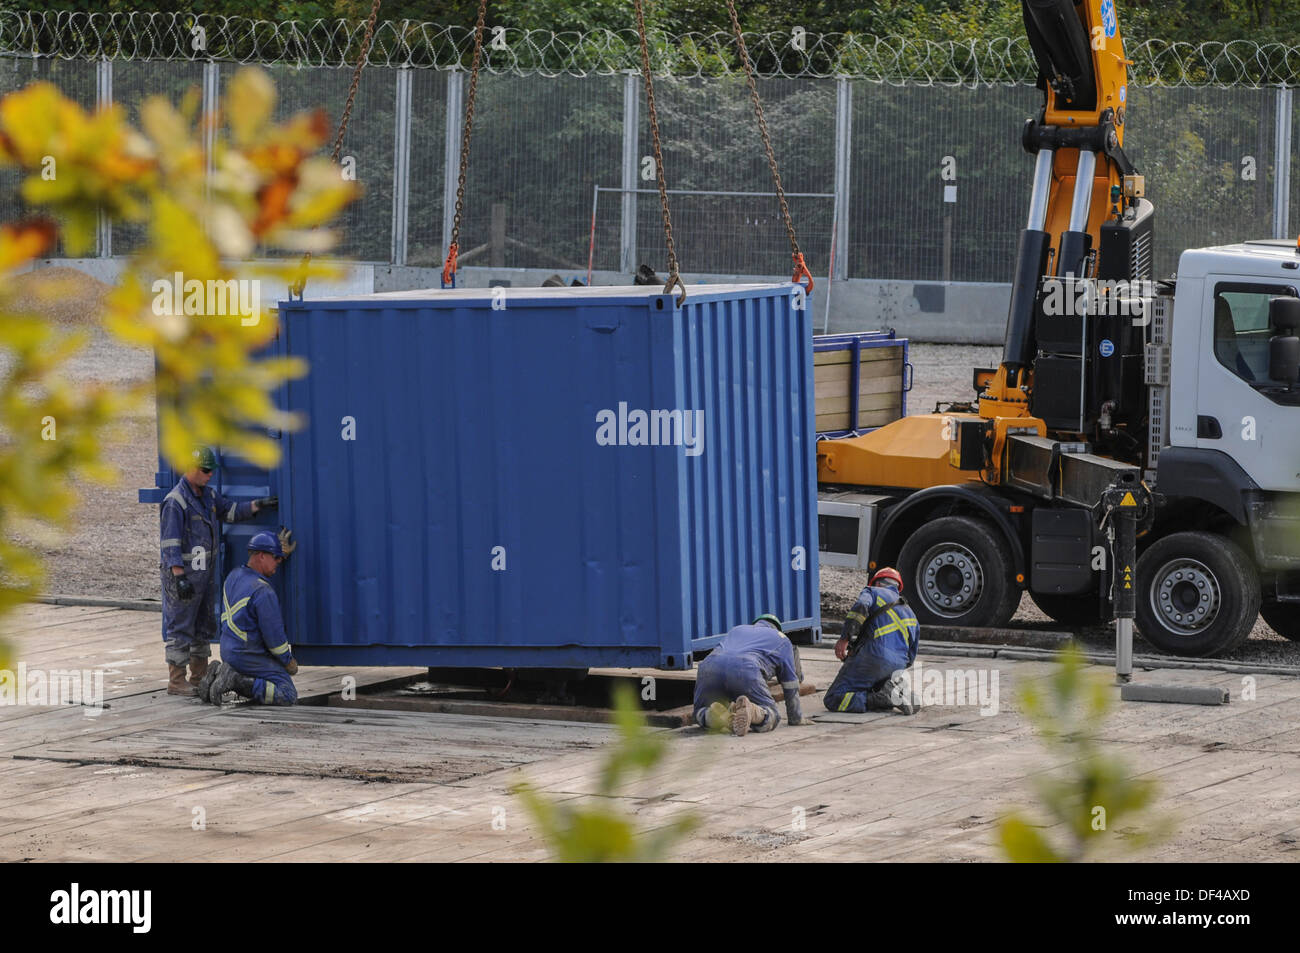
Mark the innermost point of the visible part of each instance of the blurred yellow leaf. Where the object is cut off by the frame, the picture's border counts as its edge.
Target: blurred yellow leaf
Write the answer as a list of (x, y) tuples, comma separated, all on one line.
[(250, 98), (21, 243)]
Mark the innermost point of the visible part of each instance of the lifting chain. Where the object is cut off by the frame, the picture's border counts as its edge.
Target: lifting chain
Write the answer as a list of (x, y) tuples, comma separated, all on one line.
[(800, 268), (356, 81), (296, 289), (453, 249), (673, 277)]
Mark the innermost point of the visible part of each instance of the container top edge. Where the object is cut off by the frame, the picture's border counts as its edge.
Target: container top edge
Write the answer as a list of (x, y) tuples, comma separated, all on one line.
[(538, 297)]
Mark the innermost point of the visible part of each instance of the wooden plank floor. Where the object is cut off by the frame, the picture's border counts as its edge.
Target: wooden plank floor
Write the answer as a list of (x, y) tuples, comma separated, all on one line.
[(152, 777)]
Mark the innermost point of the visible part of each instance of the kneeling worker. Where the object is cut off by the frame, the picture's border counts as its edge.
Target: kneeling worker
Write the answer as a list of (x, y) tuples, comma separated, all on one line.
[(731, 687), (880, 640), (256, 658)]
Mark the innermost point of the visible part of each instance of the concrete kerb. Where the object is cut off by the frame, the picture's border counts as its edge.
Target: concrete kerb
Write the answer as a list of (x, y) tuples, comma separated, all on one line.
[(1034, 645), (1147, 663), (145, 605)]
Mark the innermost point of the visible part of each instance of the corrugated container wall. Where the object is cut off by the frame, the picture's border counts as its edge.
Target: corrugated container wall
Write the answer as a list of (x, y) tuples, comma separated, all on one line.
[(560, 477)]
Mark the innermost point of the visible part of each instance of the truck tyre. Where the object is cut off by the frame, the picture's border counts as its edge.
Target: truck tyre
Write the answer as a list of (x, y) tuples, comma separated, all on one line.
[(956, 571), (1075, 610), (1198, 594), (1284, 617)]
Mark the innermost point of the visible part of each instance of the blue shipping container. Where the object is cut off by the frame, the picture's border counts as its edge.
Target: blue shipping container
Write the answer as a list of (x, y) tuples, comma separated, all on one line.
[(545, 477)]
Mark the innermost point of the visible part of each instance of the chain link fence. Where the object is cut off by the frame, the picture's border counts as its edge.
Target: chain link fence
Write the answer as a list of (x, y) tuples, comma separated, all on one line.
[(917, 141)]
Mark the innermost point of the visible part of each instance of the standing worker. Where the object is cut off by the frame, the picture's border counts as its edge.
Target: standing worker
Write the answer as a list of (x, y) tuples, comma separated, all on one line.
[(256, 658), (190, 534), (731, 687), (879, 641)]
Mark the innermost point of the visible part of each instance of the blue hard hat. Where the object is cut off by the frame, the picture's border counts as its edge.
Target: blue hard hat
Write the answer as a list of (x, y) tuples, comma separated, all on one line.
[(266, 543)]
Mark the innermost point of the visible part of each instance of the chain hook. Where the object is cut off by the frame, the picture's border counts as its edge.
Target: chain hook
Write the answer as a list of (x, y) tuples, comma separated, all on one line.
[(676, 279), (801, 271)]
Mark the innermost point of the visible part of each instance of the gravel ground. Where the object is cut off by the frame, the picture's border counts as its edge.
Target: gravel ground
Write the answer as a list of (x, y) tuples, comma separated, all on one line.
[(112, 549)]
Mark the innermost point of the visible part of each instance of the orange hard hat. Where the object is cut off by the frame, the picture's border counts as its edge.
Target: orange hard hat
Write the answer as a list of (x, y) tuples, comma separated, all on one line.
[(887, 573)]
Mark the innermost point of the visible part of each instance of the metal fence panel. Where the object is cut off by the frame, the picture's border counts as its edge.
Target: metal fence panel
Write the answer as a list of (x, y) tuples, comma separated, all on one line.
[(134, 83), (76, 79), (365, 227), (710, 141), (905, 222), (1208, 158), (428, 140), (539, 146)]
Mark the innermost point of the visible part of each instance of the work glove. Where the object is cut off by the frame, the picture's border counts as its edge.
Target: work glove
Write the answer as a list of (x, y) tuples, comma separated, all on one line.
[(286, 541), (292, 667), (184, 589), (793, 712), (267, 502), (853, 621)]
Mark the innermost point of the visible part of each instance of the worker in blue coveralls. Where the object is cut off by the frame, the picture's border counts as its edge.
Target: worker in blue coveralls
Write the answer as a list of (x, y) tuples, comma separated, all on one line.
[(731, 686), (879, 642), (190, 533), (256, 658)]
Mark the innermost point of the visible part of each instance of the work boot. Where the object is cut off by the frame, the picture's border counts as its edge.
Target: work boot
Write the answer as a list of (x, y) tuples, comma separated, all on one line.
[(893, 693), (176, 683), (880, 699), (198, 668), (905, 700), (205, 683), (741, 716), (228, 680), (745, 714)]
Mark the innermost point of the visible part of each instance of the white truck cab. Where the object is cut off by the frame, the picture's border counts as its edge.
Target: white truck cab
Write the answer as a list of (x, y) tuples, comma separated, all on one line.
[(1221, 396)]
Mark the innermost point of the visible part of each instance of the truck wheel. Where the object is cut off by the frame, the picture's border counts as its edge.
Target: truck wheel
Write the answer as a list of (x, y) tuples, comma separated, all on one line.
[(956, 572), (1198, 594), (1284, 617), (1076, 610)]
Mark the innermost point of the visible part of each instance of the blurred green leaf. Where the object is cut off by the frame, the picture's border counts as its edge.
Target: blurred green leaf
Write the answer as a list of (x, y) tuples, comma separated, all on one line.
[(598, 833)]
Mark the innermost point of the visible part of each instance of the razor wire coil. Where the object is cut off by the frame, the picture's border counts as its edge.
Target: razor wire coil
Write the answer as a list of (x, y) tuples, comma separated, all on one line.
[(406, 43)]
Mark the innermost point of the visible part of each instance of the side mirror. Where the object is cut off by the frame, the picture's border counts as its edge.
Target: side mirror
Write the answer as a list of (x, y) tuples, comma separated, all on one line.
[(1284, 315), (1284, 347)]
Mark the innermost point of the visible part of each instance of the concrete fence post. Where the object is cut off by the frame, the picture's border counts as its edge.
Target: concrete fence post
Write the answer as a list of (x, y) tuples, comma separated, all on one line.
[(401, 165), (1282, 165), (627, 262), (843, 153), (104, 99)]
